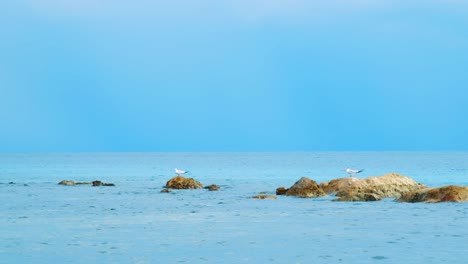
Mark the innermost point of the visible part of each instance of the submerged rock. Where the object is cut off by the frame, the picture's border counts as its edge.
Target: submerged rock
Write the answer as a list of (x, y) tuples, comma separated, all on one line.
[(180, 182), (305, 188), (166, 190), (265, 197), (451, 193), (374, 188), (212, 187)]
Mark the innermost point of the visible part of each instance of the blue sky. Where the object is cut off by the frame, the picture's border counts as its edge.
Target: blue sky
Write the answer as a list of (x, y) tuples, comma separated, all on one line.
[(215, 75)]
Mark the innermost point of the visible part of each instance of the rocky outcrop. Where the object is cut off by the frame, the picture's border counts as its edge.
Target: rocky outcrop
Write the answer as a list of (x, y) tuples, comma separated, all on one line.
[(212, 187), (451, 193), (305, 188), (374, 188), (180, 182)]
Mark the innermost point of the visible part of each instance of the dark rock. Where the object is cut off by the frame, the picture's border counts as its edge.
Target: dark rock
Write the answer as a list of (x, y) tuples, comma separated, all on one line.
[(305, 188), (451, 193), (179, 182), (166, 190), (281, 190), (100, 183), (212, 187)]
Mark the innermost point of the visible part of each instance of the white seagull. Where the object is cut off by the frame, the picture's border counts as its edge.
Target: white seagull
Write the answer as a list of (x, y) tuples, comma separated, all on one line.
[(352, 172), (180, 172)]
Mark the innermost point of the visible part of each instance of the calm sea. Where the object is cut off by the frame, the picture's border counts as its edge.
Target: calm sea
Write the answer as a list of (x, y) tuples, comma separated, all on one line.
[(42, 222)]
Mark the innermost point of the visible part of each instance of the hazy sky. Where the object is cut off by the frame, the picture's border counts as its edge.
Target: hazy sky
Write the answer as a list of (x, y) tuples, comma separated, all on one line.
[(240, 75)]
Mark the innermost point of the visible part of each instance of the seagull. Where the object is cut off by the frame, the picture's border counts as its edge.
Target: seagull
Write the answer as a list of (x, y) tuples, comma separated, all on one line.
[(179, 172), (351, 172)]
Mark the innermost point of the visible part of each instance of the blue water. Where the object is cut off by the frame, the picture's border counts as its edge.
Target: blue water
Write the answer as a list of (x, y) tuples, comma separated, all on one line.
[(42, 222)]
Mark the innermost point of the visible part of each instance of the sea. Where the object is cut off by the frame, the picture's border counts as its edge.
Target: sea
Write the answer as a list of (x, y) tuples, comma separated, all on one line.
[(133, 222)]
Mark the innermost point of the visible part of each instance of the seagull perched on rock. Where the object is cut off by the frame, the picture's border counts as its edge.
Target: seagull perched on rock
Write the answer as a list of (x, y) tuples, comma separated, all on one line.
[(352, 172), (180, 172)]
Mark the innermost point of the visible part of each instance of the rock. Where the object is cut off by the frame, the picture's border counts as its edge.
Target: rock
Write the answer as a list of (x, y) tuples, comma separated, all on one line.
[(67, 182), (265, 196), (305, 188), (365, 197), (337, 185), (212, 187), (451, 193), (166, 190), (281, 190), (100, 183), (374, 188), (179, 182)]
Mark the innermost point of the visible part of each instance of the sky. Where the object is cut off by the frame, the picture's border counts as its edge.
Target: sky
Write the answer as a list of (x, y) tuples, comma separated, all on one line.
[(238, 75)]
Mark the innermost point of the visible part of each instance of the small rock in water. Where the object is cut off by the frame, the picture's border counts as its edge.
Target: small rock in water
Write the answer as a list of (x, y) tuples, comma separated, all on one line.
[(180, 182), (166, 190), (67, 182), (212, 187), (281, 190), (100, 183)]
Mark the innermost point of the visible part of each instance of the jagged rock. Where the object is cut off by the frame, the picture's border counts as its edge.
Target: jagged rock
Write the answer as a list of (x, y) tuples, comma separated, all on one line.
[(451, 193), (212, 187), (265, 196), (374, 188), (166, 190), (179, 182), (281, 191), (305, 188)]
